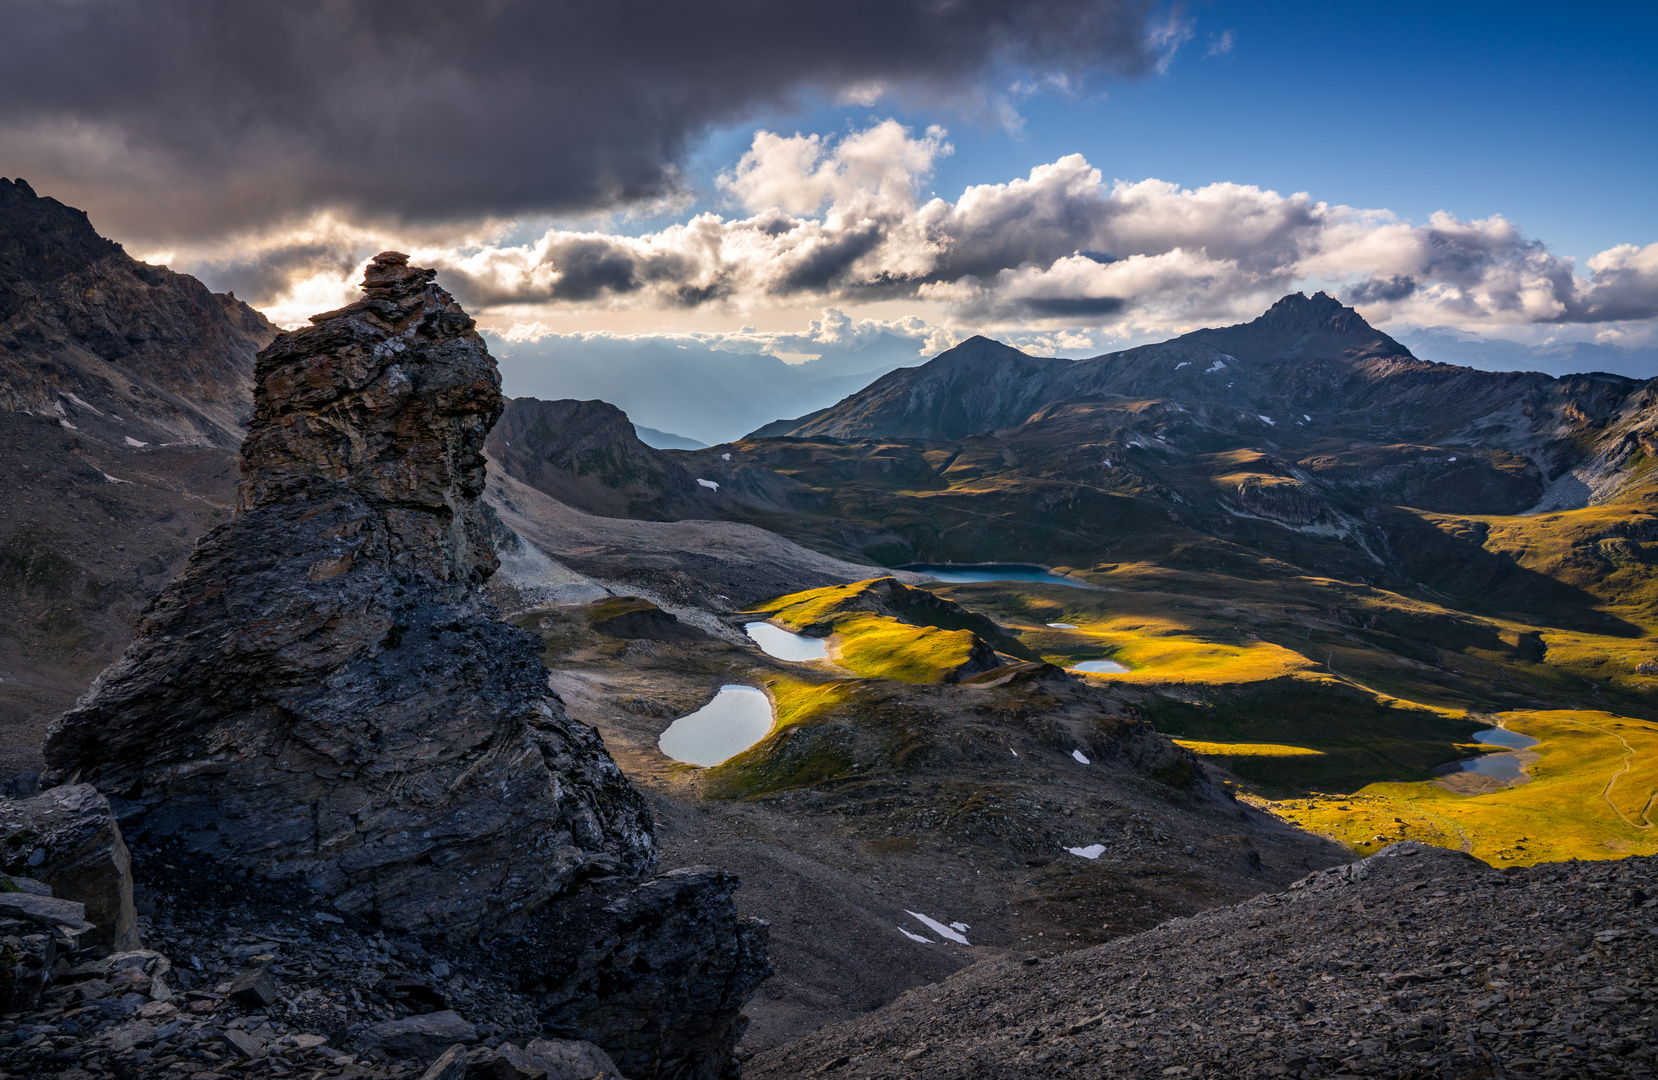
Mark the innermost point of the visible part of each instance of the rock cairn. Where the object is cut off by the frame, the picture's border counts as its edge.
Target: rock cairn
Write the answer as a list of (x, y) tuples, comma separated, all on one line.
[(324, 699)]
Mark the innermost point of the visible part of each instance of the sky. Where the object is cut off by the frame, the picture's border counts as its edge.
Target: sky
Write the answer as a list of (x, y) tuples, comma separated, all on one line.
[(1068, 175)]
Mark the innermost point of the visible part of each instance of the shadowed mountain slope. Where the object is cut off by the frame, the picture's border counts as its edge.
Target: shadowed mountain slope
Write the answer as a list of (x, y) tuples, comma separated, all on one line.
[(111, 345), (123, 391)]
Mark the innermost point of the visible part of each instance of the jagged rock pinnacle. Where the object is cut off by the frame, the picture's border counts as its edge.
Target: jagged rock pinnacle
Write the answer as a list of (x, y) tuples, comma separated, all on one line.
[(324, 694)]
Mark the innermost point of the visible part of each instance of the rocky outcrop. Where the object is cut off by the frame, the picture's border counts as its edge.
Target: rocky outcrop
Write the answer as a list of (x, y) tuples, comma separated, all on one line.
[(67, 839), (656, 974), (324, 697)]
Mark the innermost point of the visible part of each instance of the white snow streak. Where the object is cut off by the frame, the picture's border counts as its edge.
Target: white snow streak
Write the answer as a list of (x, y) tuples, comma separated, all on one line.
[(915, 937), (709, 484), (938, 928), (1080, 756), (1092, 851)]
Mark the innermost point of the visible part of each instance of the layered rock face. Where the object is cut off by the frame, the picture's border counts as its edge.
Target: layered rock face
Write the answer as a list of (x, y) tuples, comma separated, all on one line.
[(67, 840), (323, 695)]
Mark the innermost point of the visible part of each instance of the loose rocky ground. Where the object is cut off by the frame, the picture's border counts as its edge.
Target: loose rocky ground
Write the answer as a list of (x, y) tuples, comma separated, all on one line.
[(338, 998), (1415, 963)]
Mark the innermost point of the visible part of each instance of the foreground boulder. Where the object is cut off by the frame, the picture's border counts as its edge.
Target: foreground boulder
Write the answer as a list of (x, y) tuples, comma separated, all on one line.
[(67, 839), (325, 697), (654, 973)]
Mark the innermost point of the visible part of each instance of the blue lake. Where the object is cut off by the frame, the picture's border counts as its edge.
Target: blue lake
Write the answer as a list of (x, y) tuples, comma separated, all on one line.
[(737, 718), (1099, 667), (1499, 766), (957, 573), (778, 642)]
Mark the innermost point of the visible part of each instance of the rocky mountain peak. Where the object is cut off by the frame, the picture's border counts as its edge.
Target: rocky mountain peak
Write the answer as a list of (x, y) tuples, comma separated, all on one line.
[(118, 350), (41, 240), (1301, 327), (1298, 310)]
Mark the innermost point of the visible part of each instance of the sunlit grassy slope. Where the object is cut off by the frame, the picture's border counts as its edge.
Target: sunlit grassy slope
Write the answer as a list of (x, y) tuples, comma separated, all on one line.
[(877, 645), (1590, 797), (1370, 704), (792, 755)]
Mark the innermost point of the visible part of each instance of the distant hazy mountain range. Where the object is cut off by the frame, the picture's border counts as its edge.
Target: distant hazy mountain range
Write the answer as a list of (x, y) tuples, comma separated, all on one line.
[(1449, 346), (691, 391), (685, 395)]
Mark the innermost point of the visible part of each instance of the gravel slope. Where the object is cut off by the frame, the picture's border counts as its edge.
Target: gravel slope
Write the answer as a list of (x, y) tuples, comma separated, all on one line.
[(1417, 962)]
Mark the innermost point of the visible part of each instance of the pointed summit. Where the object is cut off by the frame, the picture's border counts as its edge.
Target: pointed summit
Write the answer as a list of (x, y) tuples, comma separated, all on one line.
[(1300, 326)]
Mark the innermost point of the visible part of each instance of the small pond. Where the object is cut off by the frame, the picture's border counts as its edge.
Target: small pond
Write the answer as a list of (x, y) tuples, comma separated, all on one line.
[(737, 718), (1499, 766), (957, 573), (1099, 667), (778, 642)]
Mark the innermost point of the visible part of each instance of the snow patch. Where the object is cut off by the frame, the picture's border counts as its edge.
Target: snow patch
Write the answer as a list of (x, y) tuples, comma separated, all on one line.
[(961, 926), (1183, 363), (1108, 463), (1012, 751), (1092, 851), (68, 425), (938, 928), (725, 457), (81, 403), (1080, 756), (1063, 625), (915, 937), (115, 479), (1450, 459), (1307, 418), (134, 442), (1218, 365), (1267, 419), (709, 484)]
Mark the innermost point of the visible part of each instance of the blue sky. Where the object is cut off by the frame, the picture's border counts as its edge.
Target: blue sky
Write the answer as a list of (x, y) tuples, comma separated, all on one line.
[(1541, 113), (1545, 114)]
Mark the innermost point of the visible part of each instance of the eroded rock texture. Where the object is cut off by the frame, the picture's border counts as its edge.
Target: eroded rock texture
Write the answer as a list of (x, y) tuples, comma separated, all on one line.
[(324, 695), (656, 973), (67, 839)]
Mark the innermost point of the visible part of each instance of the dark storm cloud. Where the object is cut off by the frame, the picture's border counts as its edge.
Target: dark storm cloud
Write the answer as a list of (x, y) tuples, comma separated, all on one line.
[(179, 117), (1074, 307), (1380, 289)]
